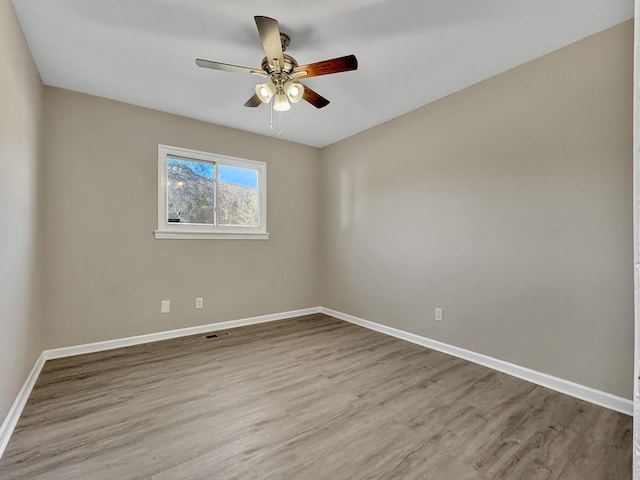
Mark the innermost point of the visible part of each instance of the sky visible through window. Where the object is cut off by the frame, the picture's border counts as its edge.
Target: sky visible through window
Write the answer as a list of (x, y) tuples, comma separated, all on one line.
[(239, 176)]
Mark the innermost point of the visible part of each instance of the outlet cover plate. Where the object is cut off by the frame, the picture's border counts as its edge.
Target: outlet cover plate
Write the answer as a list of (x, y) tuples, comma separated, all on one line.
[(165, 306)]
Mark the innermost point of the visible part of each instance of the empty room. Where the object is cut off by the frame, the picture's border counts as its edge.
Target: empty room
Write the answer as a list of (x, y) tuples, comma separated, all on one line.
[(341, 240)]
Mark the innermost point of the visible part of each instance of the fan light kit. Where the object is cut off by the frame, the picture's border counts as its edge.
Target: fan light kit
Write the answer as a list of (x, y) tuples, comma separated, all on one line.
[(284, 92), (282, 72)]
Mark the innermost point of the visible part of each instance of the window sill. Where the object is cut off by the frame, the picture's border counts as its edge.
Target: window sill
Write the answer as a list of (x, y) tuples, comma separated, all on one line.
[(186, 235)]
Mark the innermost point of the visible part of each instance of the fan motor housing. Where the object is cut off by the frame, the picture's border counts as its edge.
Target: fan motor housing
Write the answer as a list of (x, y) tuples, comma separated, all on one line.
[(289, 64)]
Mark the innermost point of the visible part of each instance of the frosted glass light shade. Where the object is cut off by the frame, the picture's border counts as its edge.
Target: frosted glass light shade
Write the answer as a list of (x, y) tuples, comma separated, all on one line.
[(294, 91), (265, 91), (281, 103)]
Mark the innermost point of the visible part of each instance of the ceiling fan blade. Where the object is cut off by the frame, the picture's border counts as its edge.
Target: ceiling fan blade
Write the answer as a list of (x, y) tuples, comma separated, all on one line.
[(314, 98), (270, 36), (335, 65), (253, 101), (227, 67)]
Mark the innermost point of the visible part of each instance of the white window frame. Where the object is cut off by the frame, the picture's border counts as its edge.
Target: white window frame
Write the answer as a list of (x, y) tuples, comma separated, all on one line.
[(170, 230)]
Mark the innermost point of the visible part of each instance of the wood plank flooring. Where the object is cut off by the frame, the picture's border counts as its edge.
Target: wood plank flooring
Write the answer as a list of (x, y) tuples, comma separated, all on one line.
[(307, 398)]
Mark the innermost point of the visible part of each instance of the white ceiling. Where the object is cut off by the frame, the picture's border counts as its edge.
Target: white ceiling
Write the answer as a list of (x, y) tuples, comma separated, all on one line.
[(410, 52)]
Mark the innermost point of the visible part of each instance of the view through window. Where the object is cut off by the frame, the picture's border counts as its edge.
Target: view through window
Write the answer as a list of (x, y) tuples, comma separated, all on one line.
[(210, 193)]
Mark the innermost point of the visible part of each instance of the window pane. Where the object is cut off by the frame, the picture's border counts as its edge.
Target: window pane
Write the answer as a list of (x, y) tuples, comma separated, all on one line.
[(190, 191), (238, 197)]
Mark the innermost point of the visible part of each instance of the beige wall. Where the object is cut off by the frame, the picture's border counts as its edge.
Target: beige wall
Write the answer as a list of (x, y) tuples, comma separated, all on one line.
[(20, 127), (509, 205), (106, 274)]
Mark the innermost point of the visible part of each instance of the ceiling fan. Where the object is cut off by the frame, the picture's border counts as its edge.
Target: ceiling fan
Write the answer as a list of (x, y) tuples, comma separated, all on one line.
[(282, 71)]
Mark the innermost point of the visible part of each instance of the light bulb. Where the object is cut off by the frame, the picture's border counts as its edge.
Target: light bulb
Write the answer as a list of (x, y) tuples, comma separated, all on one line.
[(294, 91), (265, 91), (281, 103)]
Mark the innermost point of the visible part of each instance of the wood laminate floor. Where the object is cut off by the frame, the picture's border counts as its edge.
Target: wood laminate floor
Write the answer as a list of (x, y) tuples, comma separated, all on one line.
[(308, 398)]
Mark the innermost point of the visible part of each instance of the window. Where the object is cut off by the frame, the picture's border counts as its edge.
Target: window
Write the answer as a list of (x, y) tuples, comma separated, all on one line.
[(202, 195)]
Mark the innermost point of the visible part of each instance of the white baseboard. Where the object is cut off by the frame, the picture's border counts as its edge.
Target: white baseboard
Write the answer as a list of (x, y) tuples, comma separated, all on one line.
[(11, 420), (181, 332), (576, 390), (582, 392)]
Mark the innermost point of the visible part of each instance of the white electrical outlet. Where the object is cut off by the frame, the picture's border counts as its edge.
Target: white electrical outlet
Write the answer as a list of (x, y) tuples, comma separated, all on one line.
[(438, 315), (199, 302), (165, 306)]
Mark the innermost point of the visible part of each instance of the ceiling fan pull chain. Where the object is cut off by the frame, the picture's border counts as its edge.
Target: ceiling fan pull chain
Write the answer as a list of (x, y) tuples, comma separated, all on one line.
[(279, 123), (270, 116)]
